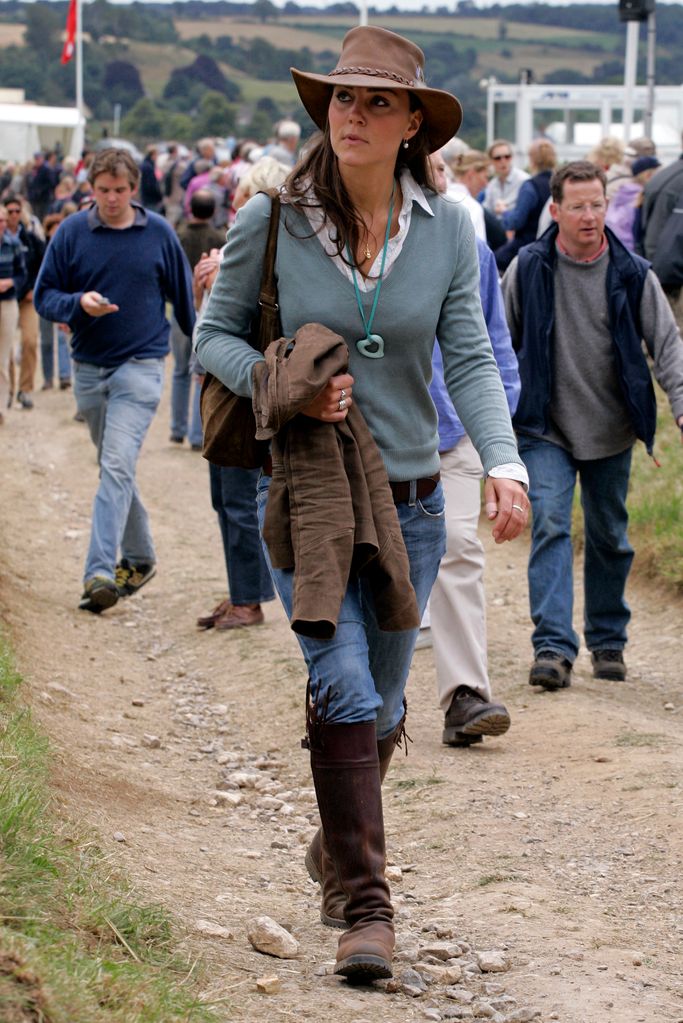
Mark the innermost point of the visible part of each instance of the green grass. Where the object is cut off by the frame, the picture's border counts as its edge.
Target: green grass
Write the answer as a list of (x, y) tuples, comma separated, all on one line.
[(632, 739), (76, 943), (656, 503)]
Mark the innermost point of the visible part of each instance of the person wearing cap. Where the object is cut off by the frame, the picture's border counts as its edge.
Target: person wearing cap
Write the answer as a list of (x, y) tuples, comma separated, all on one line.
[(579, 305), (367, 248), (620, 172), (624, 210)]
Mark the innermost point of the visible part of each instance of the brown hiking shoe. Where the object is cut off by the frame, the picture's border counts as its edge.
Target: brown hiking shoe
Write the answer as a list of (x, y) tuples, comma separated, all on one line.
[(609, 664), (551, 670), (470, 717)]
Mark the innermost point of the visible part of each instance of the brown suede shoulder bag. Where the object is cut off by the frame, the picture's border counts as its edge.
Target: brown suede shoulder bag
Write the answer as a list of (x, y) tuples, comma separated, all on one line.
[(228, 419)]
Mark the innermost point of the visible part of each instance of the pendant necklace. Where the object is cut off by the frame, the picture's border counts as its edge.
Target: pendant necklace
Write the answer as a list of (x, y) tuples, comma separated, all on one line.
[(372, 345)]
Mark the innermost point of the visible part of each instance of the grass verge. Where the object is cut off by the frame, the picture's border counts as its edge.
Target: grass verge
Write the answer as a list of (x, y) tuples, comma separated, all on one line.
[(76, 945), (656, 503)]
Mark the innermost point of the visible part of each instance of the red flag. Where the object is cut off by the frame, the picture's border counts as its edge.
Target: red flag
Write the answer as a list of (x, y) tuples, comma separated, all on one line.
[(70, 39)]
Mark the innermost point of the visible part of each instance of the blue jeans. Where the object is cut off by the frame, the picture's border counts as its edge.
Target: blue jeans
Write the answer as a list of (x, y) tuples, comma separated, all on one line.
[(118, 404), (363, 669), (607, 557), (233, 497), (181, 389), (47, 351)]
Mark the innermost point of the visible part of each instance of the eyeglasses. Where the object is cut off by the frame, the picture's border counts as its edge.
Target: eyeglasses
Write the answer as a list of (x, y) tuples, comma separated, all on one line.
[(13, 210), (502, 156), (577, 208)]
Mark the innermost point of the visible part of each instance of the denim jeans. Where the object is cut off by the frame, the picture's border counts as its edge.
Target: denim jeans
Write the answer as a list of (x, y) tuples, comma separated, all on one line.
[(47, 351), (233, 497), (607, 556), (118, 404), (363, 669), (182, 390)]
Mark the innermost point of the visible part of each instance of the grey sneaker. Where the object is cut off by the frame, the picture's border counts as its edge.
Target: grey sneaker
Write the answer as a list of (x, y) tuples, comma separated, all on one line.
[(470, 717), (25, 400), (609, 664), (99, 594), (551, 670)]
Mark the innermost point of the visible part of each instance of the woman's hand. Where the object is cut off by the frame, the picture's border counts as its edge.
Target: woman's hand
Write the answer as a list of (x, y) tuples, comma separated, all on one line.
[(332, 404), (506, 502)]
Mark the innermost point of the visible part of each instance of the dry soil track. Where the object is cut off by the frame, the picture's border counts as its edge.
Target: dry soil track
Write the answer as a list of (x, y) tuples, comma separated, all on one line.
[(559, 844)]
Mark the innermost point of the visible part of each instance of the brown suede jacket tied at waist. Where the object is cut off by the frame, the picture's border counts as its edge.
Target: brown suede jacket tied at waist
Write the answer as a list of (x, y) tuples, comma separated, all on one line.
[(330, 511)]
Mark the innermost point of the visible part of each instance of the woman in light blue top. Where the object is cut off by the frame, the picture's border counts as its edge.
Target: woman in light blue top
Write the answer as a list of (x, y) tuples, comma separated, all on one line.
[(368, 248)]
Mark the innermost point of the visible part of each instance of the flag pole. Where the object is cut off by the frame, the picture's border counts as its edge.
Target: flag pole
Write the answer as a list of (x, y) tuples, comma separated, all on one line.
[(79, 58)]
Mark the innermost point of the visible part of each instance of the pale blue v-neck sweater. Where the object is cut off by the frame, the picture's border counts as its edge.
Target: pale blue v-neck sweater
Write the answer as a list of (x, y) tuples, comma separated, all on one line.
[(432, 290)]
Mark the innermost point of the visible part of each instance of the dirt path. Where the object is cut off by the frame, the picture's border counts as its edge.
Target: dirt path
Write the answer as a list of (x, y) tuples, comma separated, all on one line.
[(559, 845)]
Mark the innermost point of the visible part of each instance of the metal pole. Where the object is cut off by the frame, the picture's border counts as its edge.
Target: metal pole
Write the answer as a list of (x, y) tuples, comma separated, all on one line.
[(650, 79), (79, 58), (630, 65), (363, 16)]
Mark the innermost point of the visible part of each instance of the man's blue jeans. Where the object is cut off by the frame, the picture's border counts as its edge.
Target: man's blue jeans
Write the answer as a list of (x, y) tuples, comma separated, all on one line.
[(233, 497), (118, 404), (363, 669), (48, 329), (607, 556), (185, 418)]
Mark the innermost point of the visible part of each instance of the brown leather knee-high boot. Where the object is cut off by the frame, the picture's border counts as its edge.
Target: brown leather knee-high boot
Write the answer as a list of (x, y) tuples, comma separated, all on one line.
[(318, 863), (345, 768)]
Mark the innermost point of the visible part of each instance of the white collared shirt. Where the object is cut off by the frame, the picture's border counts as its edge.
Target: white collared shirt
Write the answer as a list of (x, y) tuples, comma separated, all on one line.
[(412, 193)]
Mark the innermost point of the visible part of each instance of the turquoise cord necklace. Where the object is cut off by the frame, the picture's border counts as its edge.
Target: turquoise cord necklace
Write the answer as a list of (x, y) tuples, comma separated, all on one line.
[(372, 345)]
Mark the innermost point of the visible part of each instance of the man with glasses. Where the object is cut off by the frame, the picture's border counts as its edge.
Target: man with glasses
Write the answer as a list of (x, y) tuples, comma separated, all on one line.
[(500, 195), (33, 248), (579, 304)]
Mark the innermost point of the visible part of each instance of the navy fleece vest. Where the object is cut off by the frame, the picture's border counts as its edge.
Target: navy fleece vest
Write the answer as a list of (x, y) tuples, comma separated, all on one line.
[(626, 275)]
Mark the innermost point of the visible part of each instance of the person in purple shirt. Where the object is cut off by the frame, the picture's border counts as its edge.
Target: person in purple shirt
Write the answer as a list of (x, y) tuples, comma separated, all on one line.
[(457, 604)]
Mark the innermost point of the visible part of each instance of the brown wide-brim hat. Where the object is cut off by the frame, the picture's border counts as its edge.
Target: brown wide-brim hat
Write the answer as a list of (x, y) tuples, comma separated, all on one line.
[(378, 59)]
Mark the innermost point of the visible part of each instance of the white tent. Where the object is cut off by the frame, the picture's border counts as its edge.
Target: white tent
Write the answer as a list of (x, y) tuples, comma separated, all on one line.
[(26, 128)]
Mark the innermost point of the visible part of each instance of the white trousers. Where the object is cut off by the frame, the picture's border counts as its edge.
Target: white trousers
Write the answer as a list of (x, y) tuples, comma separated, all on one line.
[(457, 602)]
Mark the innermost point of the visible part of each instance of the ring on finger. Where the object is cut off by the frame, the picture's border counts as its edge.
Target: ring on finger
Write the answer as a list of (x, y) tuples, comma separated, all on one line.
[(342, 394), (518, 507), (342, 404)]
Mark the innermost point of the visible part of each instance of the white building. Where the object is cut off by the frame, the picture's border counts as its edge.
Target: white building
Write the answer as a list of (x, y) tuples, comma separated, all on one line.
[(576, 117), (26, 128)]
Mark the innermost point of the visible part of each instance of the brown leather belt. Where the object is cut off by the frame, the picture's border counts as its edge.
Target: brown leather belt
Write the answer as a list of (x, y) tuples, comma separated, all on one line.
[(423, 488), (401, 491)]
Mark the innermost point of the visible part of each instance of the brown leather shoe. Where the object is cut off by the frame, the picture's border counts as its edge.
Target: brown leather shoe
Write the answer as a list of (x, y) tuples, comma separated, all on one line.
[(238, 616), (208, 621)]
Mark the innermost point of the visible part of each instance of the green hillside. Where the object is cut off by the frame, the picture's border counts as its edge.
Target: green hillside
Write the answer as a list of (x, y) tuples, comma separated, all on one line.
[(159, 62)]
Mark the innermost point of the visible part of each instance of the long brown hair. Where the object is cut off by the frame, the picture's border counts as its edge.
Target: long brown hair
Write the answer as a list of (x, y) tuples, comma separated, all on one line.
[(318, 170)]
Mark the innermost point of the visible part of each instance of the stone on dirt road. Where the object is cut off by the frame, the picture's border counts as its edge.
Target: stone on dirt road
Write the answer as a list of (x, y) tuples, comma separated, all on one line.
[(268, 985), (269, 937), (213, 930), (492, 962)]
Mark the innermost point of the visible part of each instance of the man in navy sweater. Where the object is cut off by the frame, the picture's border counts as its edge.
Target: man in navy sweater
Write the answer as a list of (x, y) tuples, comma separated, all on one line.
[(108, 273)]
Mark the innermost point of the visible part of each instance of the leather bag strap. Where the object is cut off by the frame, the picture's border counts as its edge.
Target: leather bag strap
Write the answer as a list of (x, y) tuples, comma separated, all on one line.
[(269, 310)]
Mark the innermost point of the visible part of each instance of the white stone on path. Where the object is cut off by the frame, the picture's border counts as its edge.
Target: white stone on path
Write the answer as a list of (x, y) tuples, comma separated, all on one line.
[(269, 937), (213, 930), (492, 962)]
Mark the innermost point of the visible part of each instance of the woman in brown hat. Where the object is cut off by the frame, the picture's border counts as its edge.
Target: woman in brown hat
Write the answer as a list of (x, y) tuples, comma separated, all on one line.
[(369, 249)]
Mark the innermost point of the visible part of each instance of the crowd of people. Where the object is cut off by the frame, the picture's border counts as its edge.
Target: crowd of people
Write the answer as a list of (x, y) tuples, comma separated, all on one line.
[(446, 318)]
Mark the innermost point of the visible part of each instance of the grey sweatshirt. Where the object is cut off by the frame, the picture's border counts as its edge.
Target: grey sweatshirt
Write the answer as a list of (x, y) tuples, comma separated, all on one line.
[(588, 414)]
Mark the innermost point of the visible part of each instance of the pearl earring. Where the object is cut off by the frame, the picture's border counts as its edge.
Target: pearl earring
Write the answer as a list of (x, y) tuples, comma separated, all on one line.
[(405, 143)]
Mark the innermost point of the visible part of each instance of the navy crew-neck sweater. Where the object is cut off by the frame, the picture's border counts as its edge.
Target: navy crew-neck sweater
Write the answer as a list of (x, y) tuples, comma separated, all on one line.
[(137, 268)]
